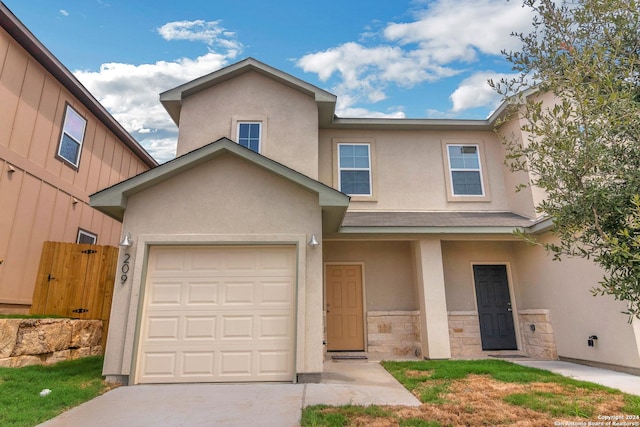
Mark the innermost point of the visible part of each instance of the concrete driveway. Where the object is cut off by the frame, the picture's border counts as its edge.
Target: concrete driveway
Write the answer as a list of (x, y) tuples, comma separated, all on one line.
[(278, 405)]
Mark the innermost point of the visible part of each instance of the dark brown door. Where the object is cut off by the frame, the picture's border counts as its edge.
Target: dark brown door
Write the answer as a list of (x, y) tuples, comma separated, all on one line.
[(494, 307)]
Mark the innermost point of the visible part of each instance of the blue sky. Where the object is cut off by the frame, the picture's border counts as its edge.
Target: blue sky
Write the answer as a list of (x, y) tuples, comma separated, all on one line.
[(413, 59)]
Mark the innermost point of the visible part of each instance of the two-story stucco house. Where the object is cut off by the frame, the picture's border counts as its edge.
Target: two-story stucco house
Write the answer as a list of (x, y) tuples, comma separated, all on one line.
[(282, 232), (58, 145)]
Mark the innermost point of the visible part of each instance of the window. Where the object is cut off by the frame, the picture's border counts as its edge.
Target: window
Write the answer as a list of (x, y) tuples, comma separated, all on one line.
[(249, 135), (71, 137), (354, 165), (464, 166), (86, 237)]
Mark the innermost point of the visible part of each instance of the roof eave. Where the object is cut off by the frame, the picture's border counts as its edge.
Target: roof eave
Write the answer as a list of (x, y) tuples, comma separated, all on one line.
[(172, 99), (113, 200)]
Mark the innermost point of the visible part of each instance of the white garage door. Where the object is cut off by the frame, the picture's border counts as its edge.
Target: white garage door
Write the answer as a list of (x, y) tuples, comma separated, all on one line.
[(218, 314)]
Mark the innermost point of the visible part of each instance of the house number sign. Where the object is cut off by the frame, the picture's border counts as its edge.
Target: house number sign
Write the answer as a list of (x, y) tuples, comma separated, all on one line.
[(124, 269)]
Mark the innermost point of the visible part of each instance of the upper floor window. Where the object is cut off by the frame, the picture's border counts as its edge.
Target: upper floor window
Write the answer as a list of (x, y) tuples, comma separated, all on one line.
[(249, 134), (354, 169), (72, 137), (464, 166)]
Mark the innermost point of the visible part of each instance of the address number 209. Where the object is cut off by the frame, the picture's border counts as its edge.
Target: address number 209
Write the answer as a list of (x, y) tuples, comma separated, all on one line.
[(125, 269)]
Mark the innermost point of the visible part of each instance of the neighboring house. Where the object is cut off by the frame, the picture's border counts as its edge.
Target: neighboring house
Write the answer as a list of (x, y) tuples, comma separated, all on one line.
[(57, 146), (282, 232)]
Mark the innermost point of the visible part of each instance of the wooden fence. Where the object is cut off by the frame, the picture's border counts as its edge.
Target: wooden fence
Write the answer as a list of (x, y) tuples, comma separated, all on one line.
[(76, 280)]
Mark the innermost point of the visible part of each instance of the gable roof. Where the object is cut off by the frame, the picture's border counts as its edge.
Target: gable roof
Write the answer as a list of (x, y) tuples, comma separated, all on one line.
[(172, 99), (112, 201), (16, 29)]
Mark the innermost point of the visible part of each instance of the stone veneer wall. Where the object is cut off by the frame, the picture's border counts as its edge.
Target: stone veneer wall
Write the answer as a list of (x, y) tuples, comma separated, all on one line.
[(537, 341), (26, 342), (464, 333), (393, 333)]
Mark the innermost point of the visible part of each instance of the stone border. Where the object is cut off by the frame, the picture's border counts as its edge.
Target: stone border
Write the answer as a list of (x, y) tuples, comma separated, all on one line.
[(25, 342), (393, 333)]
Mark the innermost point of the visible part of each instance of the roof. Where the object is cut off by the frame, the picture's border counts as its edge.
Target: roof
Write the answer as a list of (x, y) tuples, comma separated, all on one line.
[(112, 201), (434, 222), (40, 53), (172, 99)]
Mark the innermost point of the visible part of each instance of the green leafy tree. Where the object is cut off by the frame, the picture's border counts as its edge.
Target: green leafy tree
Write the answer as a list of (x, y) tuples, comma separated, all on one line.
[(583, 148)]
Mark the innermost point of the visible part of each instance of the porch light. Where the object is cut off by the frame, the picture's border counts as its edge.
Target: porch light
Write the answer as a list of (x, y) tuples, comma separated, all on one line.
[(126, 241), (313, 242)]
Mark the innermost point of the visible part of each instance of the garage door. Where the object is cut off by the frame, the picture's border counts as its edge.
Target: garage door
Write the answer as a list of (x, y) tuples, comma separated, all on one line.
[(218, 314)]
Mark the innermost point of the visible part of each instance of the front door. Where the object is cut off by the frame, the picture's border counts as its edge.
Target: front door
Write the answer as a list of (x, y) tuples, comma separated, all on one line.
[(494, 307), (345, 326)]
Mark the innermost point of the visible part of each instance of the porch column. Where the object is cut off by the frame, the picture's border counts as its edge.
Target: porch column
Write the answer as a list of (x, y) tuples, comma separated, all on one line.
[(434, 322)]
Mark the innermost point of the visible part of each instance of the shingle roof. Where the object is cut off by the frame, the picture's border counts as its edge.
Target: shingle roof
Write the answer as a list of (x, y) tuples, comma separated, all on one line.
[(435, 219)]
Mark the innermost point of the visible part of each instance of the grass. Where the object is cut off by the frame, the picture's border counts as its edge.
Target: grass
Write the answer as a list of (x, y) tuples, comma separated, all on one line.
[(71, 383), (481, 392)]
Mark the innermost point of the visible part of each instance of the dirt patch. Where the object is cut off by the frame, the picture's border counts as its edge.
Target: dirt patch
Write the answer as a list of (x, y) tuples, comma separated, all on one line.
[(479, 401)]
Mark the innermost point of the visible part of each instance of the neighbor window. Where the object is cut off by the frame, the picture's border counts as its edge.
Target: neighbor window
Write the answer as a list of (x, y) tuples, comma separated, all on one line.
[(354, 165), (85, 236), (72, 137), (249, 135), (464, 166)]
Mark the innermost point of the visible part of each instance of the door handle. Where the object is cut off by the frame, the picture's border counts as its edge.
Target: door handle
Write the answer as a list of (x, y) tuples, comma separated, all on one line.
[(509, 309)]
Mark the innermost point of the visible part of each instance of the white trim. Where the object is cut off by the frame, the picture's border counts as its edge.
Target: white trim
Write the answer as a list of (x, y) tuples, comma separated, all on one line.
[(82, 232), (139, 262), (478, 170), (250, 122), (70, 111), (368, 168)]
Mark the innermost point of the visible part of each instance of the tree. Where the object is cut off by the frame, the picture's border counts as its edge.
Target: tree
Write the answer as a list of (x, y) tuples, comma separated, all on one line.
[(583, 149)]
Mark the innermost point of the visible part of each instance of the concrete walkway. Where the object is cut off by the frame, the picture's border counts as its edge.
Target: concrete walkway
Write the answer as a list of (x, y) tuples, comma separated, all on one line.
[(278, 405)]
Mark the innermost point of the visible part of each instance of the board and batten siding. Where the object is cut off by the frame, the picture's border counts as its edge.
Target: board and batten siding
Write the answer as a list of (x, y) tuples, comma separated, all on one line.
[(41, 197)]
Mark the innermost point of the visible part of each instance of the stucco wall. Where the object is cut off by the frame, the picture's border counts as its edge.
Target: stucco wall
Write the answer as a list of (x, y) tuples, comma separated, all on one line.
[(564, 288), (225, 201), (289, 119), (388, 271), (409, 170), (458, 258), (42, 197)]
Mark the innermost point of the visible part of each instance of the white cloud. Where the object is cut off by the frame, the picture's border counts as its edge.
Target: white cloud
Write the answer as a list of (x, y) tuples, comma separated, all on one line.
[(64, 12), (130, 93), (474, 91), (209, 32), (443, 34)]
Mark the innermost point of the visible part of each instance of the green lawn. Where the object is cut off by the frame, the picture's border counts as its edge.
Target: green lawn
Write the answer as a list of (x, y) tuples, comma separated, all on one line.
[(71, 383), (481, 392)]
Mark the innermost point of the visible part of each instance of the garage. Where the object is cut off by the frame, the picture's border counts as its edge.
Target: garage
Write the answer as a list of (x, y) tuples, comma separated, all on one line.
[(218, 314)]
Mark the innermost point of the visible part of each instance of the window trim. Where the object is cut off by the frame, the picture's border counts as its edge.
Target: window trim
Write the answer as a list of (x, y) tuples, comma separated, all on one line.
[(235, 129), (68, 108), (337, 142), (83, 232), (484, 181)]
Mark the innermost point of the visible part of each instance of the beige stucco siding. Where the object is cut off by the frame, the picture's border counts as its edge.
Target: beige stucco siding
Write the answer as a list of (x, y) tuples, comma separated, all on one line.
[(458, 259), (409, 171), (289, 119), (42, 197), (225, 201), (388, 271), (565, 288)]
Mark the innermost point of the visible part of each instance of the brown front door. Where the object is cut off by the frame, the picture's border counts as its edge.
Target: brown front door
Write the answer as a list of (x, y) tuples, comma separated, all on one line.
[(345, 325)]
